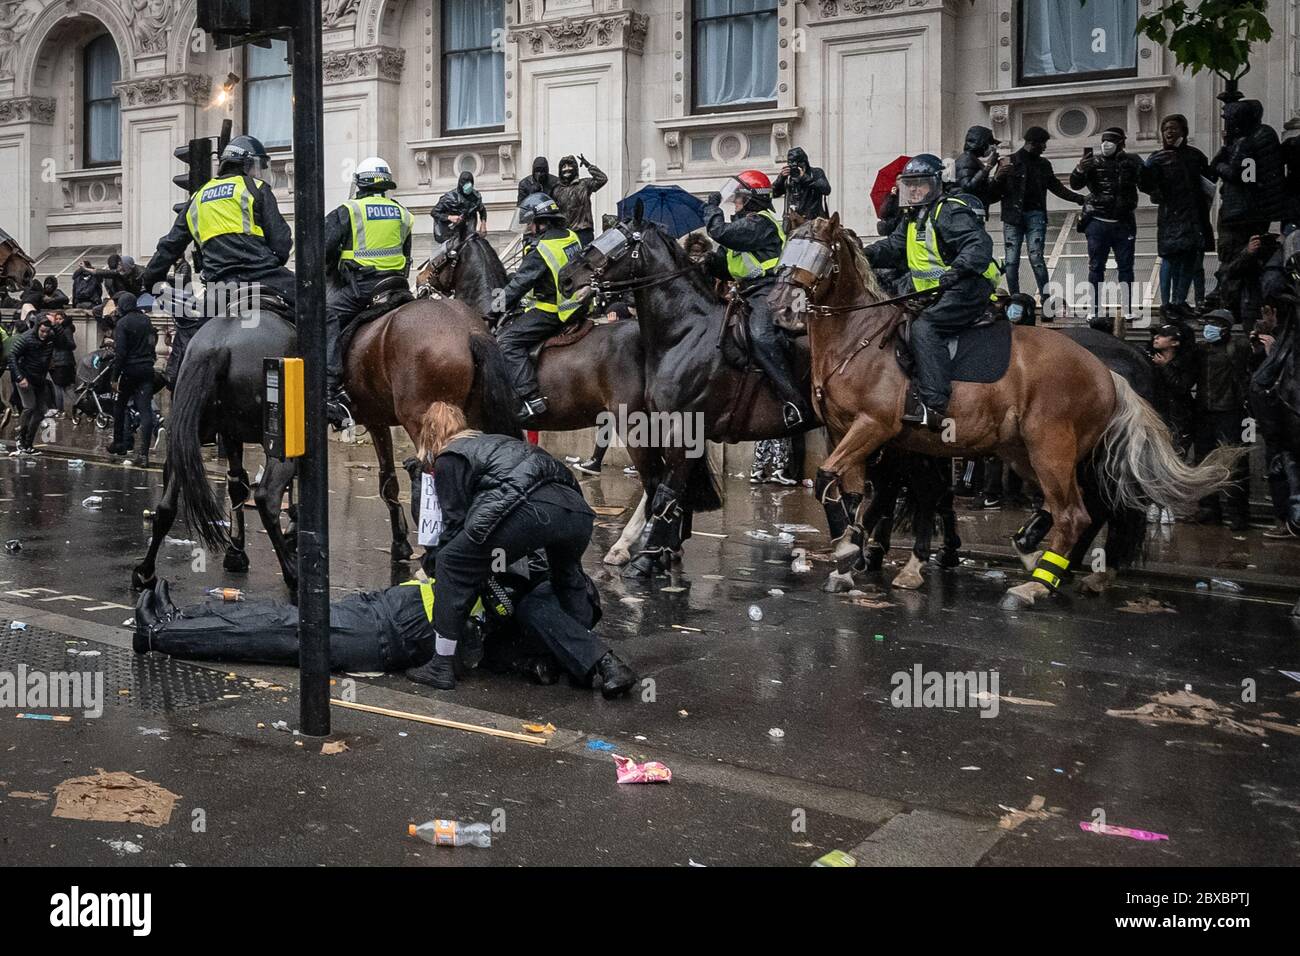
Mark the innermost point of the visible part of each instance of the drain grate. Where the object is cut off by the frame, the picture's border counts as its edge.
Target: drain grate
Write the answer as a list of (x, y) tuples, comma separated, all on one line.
[(154, 683)]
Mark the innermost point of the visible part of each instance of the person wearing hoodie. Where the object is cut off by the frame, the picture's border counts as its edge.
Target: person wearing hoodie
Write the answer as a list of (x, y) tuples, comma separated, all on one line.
[(541, 180), (1251, 182), (63, 364), (1222, 384), (55, 298), (1108, 214), (462, 204), (1173, 176), (29, 367), (87, 287), (574, 195), (804, 187), (975, 169), (134, 343)]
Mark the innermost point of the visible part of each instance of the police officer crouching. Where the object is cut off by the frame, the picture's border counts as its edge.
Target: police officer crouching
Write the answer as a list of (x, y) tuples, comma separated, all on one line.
[(943, 244), (539, 273), (367, 240), (235, 222), (750, 252)]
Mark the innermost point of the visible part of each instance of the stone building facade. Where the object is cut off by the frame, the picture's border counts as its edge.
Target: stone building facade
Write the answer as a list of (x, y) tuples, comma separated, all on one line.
[(96, 94)]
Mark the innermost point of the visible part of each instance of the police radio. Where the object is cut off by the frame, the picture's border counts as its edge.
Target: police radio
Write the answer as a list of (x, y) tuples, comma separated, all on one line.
[(283, 408)]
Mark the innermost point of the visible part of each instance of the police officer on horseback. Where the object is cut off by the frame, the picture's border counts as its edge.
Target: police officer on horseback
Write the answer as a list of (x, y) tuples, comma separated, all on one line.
[(367, 240), (548, 310), (943, 244), (750, 251), (236, 225)]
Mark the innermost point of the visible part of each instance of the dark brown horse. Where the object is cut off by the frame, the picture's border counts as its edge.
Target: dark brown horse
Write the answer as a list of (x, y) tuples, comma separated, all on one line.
[(587, 372), (1055, 406)]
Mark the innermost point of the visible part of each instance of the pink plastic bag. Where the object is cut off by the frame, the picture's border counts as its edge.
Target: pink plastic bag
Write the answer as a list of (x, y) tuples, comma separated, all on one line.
[(650, 772), (1108, 830)]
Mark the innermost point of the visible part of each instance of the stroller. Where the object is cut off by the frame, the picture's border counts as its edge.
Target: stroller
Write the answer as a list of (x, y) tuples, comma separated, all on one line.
[(97, 398)]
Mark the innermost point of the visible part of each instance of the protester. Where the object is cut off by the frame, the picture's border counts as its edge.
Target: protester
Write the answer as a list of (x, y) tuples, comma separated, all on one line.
[(1108, 214), (573, 195), (1024, 183), (29, 365), (804, 187), (1221, 385), (771, 460), (1258, 266), (1275, 339), (1173, 176), (134, 344), (87, 286), (541, 180), (54, 297), (975, 169), (1174, 355), (462, 204), (63, 364)]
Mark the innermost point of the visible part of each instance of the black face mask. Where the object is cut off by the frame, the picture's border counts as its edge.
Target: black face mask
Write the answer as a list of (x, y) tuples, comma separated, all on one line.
[(568, 174)]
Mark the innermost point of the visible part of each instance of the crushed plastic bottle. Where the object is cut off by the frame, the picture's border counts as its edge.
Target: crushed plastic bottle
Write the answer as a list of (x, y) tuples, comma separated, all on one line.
[(13, 545), (755, 613), (452, 833), (93, 503), (76, 464), (226, 594), (1223, 584)]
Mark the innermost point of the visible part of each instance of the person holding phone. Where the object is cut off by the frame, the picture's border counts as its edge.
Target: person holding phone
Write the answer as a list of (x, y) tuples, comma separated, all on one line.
[(1111, 180)]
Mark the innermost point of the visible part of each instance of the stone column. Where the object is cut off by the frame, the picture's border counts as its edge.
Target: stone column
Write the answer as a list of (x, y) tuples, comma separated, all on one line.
[(27, 166)]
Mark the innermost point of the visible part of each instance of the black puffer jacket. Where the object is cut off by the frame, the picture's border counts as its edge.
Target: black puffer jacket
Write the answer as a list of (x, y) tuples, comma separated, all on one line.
[(969, 173), (541, 181), (504, 471), (1250, 167), (1112, 185), (30, 357), (1173, 179), (456, 202), (806, 192)]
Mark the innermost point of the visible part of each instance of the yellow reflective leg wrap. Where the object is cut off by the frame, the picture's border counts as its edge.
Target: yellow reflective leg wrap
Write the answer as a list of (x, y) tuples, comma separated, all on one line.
[(1051, 568)]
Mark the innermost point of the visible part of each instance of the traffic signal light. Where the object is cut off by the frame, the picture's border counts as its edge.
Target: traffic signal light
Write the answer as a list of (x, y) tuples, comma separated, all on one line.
[(235, 22), (197, 157)]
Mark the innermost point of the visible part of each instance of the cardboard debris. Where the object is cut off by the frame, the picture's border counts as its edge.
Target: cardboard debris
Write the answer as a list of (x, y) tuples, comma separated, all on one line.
[(331, 747), (869, 603), (1036, 810), (1193, 710), (1148, 605), (116, 797), (29, 795)]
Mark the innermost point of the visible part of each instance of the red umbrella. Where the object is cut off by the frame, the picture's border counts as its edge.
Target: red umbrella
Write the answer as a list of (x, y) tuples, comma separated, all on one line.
[(885, 180)]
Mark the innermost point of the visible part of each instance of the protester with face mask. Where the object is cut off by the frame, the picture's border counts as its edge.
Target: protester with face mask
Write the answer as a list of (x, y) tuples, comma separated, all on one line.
[(1222, 375), (462, 204), (574, 195), (804, 187), (1025, 182), (975, 169), (541, 180), (29, 367), (1173, 176), (1111, 180)]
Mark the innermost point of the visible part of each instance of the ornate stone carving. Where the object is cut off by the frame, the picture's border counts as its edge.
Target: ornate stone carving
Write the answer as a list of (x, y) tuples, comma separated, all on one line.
[(835, 8), (506, 160), (673, 143), (374, 62), (27, 109), (150, 21), (16, 18), (999, 115), (570, 34), (158, 90), (92, 193), (337, 10)]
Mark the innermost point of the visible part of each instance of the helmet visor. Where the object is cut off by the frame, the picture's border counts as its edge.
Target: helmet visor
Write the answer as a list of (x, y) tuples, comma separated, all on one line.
[(731, 189), (917, 190)]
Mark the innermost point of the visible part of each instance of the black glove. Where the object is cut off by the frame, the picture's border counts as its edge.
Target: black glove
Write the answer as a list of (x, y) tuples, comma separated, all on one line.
[(583, 160), (715, 199), (948, 280)]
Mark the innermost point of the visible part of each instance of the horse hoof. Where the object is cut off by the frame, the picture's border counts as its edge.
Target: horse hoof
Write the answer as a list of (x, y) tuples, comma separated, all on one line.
[(402, 551), (1022, 596), (949, 559), (617, 557), (139, 582), (644, 567), (235, 562), (1014, 602), (1096, 583), (839, 582), (908, 579)]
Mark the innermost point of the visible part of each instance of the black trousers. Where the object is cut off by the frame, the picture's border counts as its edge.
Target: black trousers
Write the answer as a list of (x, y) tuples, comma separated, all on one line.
[(1224, 428), (519, 337), (186, 326), (771, 348), (957, 309), (267, 633), (463, 565), (567, 634), (346, 300), (37, 398), (134, 389)]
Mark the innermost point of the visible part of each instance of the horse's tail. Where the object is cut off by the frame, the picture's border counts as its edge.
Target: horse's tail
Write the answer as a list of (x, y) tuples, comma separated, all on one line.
[(702, 492), (492, 382), (1140, 464), (194, 386)]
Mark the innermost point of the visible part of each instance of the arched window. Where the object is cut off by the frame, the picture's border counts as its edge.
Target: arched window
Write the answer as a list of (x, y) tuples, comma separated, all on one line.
[(734, 54), (101, 68)]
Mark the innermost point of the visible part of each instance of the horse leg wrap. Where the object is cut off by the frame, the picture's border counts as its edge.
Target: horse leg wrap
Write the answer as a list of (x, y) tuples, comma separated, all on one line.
[(1032, 532), (665, 514), (1052, 569), (238, 487)]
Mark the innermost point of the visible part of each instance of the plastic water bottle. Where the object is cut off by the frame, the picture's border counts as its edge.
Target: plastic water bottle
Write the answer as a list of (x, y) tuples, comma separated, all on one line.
[(76, 464), (1223, 584), (452, 833), (226, 594), (93, 503)]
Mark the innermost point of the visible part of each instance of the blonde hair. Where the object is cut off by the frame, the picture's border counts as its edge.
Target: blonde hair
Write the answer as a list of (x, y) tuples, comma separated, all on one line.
[(439, 425)]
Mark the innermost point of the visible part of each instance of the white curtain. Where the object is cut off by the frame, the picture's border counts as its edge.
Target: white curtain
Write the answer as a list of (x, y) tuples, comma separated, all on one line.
[(269, 101), (735, 58), (1061, 37), (476, 76), (103, 114)]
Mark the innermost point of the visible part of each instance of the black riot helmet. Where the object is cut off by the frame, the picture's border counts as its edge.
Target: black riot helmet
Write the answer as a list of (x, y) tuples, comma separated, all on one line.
[(247, 154)]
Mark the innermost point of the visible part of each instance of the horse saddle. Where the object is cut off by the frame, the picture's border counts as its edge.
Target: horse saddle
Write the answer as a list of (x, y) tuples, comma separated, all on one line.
[(254, 297), (388, 295), (980, 353), (733, 337), (571, 333)]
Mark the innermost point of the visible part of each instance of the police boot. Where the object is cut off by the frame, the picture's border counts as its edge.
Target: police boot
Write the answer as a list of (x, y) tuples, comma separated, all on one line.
[(146, 618), (338, 409), (918, 413), (438, 672), (534, 408), (616, 678), (163, 604)]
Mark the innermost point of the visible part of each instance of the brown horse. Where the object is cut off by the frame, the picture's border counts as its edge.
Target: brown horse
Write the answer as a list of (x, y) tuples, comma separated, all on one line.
[(1055, 406), (585, 373)]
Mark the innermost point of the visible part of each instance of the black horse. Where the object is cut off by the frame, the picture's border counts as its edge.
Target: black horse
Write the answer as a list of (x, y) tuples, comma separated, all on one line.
[(219, 397)]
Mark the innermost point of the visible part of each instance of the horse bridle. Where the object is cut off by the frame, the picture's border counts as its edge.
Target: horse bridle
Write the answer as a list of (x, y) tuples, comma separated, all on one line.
[(629, 243), (806, 262)]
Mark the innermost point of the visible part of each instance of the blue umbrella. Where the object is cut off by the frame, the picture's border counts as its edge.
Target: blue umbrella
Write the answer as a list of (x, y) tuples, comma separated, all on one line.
[(670, 206)]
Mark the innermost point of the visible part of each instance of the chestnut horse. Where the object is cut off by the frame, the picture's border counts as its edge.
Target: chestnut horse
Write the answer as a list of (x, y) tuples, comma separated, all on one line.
[(1056, 406)]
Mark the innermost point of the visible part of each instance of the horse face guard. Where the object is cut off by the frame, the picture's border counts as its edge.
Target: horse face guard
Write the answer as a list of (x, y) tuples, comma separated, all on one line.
[(438, 274), (805, 263), (588, 269)]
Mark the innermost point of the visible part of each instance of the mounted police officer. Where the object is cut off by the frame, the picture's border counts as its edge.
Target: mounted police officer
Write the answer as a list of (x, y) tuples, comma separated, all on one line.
[(750, 250), (235, 222), (367, 240), (942, 242), (554, 244)]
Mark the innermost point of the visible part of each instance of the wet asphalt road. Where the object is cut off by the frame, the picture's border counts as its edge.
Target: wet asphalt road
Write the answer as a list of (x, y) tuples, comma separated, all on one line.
[(921, 784)]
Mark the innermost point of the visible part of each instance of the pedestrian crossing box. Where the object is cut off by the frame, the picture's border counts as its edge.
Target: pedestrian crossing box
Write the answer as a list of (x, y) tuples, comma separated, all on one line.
[(283, 408)]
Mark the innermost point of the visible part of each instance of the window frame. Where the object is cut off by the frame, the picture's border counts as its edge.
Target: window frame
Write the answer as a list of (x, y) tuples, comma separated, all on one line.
[(250, 81), (1022, 80), (87, 103), (696, 108), (445, 56)]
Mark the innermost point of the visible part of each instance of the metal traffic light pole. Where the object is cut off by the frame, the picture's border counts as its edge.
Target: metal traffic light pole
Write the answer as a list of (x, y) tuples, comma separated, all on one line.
[(313, 467)]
